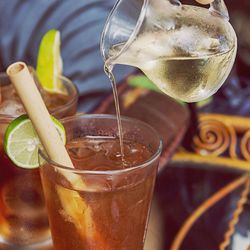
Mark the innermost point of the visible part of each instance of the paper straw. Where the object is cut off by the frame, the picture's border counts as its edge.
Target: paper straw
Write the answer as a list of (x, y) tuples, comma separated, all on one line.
[(51, 141), (38, 113)]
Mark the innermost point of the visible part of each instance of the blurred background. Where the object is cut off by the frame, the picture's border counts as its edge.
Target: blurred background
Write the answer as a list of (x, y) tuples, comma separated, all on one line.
[(181, 186)]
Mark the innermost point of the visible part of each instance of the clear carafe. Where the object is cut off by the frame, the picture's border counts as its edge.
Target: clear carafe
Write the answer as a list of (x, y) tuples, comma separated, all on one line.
[(187, 51)]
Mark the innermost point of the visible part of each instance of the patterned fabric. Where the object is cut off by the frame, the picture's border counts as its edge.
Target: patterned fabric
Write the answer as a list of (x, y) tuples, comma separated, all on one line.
[(23, 23)]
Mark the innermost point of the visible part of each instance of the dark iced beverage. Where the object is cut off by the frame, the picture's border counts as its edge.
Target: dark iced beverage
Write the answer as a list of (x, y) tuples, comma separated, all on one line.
[(23, 216), (61, 104), (103, 203)]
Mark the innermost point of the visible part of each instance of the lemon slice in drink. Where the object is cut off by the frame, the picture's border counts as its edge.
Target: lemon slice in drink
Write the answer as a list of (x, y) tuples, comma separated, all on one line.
[(49, 62), (21, 142)]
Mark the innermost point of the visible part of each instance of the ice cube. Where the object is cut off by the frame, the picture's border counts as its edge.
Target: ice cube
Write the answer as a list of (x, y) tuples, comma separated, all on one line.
[(207, 45), (195, 42), (11, 108), (185, 40), (8, 92)]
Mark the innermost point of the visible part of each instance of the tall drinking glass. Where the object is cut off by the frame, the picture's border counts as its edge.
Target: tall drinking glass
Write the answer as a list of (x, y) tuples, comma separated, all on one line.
[(23, 217), (110, 209)]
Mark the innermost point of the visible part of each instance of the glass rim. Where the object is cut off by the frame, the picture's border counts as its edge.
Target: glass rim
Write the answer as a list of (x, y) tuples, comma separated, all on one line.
[(146, 163), (73, 97), (132, 35)]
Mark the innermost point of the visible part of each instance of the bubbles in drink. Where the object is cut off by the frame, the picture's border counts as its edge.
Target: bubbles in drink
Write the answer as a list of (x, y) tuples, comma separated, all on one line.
[(99, 152)]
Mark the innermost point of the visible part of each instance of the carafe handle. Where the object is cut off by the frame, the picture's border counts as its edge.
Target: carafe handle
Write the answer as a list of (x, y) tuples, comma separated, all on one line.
[(218, 7)]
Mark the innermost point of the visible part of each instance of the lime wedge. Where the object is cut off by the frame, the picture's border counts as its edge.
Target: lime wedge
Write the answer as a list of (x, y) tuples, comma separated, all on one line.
[(21, 142), (49, 62)]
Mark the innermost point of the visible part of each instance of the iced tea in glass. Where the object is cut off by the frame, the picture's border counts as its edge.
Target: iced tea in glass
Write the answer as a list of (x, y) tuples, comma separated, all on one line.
[(23, 216), (104, 202), (59, 104)]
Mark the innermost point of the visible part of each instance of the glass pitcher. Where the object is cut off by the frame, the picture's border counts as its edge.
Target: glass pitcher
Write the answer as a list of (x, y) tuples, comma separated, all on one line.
[(187, 51)]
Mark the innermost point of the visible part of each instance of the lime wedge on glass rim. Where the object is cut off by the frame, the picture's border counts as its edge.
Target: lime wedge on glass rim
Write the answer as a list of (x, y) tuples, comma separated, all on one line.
[(49, 62), (21, 142)]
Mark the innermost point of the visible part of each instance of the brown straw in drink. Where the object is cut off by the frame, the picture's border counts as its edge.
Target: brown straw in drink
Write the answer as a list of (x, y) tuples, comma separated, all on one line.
[(50, 139)]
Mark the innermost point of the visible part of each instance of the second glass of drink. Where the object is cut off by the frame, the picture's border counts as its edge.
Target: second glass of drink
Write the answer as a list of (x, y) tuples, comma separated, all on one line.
[(23, 216)]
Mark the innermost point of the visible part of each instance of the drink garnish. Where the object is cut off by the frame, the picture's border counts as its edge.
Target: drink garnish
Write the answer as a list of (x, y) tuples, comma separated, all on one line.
[(52, 143), (21, 142), (49, 62)]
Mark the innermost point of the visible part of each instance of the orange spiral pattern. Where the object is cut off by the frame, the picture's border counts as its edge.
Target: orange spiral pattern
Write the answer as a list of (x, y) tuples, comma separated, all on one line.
[(236, 215), (215, 138), (245, 145), (223, 141)]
